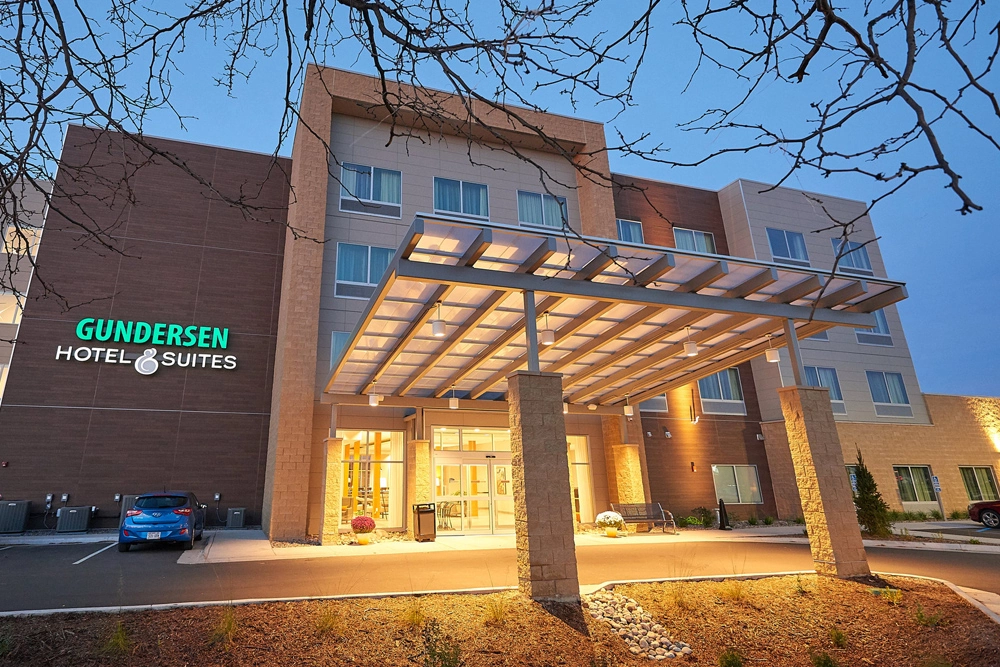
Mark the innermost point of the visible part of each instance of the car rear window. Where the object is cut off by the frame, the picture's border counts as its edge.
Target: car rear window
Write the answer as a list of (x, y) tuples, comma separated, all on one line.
[(160, 502)]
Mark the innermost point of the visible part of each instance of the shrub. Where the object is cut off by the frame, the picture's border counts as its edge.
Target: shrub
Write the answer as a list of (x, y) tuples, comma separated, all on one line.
[(937, 515), (329, 622), (734, 589), (800, 520), (225, 629), (927, 620), (799, 588), (496, 610), (363, 524), (706, 517), (752, 519), (893, 596), (413, 615), (679, 597), (974, 541), (873, 512), (440, 650), (692, 521), (823, 660), (730, 658), (682, 522), (768, 520), (958, 515), (838, 638), (610, 520), (117, 643)]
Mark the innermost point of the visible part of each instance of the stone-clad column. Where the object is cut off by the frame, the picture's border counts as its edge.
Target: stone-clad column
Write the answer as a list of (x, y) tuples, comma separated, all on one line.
[(418, 478), (628, 474), (543, 517), (333, 472), (825, 492)]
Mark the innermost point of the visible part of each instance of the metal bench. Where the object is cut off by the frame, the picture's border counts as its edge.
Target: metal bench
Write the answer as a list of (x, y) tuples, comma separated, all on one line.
[(652, 513)]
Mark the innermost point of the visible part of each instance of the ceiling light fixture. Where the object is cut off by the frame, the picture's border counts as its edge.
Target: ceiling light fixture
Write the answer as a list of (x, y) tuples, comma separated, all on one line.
[(629, 410), (373, 397), (547, 336), (690, 347), (453, 401), (771, 354), (438, 327)]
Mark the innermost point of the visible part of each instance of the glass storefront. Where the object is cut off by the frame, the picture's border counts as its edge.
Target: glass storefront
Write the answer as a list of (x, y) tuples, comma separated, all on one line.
[(373, 476), (579, 478)]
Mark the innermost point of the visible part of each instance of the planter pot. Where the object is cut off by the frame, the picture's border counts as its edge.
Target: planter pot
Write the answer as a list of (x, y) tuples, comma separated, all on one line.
[(611, 532), (364, 538)]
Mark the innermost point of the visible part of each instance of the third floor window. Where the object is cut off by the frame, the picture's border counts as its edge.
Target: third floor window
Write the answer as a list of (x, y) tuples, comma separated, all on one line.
[(371, 190), (690, 239), (461, 197), (534, 208), (629, 231), (854, 257), (787, 247)]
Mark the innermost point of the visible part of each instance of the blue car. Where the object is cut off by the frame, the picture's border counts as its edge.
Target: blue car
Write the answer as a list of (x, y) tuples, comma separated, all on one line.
[(171, 516)]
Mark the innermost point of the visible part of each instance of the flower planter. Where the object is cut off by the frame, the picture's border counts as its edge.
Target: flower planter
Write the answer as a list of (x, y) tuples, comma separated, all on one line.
[(611, 532), (363, 538)]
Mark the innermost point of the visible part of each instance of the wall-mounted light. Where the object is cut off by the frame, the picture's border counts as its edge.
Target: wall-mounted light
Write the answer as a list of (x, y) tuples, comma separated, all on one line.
[(547, 336), (453, 401), (690, 347), (591, 406), (438, 327), (693, 467), (771, 354), (565, 408), (760, 436), (629, 410), (667, 434)]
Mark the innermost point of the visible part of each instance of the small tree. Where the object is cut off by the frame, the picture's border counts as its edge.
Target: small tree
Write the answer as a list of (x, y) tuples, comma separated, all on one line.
[(873, 512)]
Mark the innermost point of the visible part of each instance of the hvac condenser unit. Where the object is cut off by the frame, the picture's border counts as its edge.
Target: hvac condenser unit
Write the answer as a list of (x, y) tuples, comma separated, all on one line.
[(72, 519), (235, 517), (14, 515)]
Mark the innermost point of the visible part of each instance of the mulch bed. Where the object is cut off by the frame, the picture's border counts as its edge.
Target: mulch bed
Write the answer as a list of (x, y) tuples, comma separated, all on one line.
[(776, 621)]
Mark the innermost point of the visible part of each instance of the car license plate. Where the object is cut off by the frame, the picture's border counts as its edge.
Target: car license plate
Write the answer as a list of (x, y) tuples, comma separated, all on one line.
[(152, 536)]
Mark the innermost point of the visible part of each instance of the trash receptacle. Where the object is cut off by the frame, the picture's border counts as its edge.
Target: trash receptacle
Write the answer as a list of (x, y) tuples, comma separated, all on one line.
[(424, 522)]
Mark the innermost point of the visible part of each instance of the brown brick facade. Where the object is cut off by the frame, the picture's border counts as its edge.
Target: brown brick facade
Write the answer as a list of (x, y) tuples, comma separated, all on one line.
[(180, 255)]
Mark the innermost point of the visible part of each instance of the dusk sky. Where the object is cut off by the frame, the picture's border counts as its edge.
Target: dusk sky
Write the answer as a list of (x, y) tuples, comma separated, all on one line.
[(946, 259)]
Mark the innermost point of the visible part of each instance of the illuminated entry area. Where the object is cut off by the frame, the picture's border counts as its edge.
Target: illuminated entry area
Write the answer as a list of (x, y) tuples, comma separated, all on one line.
[(373, 474)]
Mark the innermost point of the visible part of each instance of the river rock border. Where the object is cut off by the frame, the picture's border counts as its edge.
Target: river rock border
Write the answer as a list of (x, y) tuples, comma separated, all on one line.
[(644, 637)]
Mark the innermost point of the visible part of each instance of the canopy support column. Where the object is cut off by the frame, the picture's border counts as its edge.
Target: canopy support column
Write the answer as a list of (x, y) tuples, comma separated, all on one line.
[(543, 516), (531, 330), (795, 354)]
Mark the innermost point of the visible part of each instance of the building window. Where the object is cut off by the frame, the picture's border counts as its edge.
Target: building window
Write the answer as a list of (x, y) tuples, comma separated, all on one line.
[(370, 190), (452, 439), (21, 240), (877, 335), (359, 268), (373, 473), (581, 489), (654, 404), (787, 247), (542, 210), (855, 258), (822, 335), (889, 394), (630, 231), (338, 341), (721, 393), (915, 485), (818, 376), (461, 197), (10, 309), (690, 239), (980, 484), (737, 485)]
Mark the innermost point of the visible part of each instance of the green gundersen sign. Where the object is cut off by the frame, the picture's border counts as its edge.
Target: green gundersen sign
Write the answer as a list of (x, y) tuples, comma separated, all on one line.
[(141, 333), (159, 333)]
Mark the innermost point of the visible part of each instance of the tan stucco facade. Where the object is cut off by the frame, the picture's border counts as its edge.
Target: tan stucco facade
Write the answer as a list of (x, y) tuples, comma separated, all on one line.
[(964, 431)]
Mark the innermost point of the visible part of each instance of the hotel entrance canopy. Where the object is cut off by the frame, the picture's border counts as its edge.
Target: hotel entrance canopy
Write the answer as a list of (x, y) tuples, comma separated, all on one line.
[(620, 315)]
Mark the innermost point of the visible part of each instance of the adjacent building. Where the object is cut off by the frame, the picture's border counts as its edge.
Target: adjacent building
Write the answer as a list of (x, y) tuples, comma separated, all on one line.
[(282, 380)]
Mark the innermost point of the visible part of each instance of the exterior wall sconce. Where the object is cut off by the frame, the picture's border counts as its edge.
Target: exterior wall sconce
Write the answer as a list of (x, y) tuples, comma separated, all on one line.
[(629, 410), (438, 327), (547, 336), (565, 408), (771, 354), (453, 401), (694, 468), (667, 434), (591, 406), (690, 347)]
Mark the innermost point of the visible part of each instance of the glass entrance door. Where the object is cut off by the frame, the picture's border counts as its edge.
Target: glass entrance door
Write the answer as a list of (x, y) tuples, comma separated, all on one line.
[(474, 494)]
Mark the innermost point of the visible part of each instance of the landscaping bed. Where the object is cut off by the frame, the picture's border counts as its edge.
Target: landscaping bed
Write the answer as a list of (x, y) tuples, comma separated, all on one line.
[(777, 621)]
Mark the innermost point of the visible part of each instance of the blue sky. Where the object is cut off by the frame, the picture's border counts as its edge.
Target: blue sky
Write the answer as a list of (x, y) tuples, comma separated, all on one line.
[(946, 259)]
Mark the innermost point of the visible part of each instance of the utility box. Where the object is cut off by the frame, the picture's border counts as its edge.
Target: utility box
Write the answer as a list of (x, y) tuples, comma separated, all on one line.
[(73, 519), (14, 515), (424, 522), (128, 502), (235, 517)]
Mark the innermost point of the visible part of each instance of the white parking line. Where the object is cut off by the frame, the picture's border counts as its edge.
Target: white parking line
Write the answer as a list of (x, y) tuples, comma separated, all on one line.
[(5, 548), (95, 553)]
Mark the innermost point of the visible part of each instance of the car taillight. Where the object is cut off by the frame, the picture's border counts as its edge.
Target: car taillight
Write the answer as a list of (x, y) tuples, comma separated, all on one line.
[(133, 512), (186, 511)]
